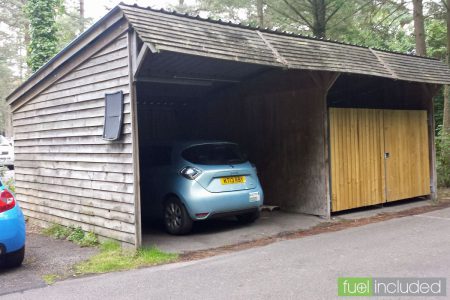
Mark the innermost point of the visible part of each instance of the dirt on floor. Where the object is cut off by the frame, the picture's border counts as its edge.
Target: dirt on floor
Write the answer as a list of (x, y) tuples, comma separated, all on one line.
[(45, 258)]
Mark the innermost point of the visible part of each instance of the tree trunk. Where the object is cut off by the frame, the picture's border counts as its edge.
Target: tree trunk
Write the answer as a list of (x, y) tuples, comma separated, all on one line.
[(260, 12), (319, 18), (446, 123), (82, 15), (419, 28), (26, 40)]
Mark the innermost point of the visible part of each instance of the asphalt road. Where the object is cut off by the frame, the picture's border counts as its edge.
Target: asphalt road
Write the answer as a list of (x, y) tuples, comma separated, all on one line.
[(307, 268)]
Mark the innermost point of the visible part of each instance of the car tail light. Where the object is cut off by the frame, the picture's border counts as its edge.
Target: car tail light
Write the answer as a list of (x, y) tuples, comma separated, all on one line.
[(190, 172), (202, 215), (7, 201)]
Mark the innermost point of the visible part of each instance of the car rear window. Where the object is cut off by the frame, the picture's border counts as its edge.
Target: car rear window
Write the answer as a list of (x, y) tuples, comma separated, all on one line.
[(214, 154)]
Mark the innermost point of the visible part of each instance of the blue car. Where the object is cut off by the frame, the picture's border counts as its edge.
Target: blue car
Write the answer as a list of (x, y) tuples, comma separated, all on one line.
[(192, 181), (12, 230)]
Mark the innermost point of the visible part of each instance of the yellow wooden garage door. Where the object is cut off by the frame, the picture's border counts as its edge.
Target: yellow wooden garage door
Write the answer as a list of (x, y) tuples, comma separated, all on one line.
[(357, 163), (361, 172), (406, 144)]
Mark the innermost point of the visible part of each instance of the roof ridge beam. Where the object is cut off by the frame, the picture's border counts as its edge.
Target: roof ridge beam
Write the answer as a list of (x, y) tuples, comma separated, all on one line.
[(385, 64), (275, 52)]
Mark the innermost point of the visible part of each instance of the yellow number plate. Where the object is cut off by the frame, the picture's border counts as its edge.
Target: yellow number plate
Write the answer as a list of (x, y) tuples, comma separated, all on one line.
[(232, 180)]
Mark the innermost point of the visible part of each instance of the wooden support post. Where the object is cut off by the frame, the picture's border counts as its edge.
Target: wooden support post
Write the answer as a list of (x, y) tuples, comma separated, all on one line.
[(132, 53), (429, 92), (329, 81), (324, 81)]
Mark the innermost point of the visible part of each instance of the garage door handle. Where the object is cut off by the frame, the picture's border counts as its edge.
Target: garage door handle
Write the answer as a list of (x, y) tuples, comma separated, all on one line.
[(386, 154)]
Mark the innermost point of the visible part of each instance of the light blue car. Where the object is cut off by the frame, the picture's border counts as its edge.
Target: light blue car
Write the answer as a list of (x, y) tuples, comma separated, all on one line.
[(12, 230), (185, 182)]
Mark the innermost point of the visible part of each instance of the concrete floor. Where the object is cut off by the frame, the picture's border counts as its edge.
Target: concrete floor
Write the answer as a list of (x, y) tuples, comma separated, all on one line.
[(222, 232), (217, 233)]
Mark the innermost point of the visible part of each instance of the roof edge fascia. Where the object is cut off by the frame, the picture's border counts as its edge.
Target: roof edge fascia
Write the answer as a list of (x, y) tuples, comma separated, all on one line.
[(66, 54)]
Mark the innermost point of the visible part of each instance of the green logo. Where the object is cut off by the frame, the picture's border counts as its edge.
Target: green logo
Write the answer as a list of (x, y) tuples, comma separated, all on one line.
[(355, 286)]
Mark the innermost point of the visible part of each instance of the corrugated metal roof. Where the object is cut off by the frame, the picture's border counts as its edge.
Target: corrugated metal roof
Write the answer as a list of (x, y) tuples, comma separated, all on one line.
[(180, 33)]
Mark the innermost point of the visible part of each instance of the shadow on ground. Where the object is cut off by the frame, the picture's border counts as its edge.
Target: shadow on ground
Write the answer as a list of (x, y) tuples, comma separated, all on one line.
[(221, 232)]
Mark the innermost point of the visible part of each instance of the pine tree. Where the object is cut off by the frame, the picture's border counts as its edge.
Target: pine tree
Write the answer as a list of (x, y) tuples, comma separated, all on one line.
[(43, 31)]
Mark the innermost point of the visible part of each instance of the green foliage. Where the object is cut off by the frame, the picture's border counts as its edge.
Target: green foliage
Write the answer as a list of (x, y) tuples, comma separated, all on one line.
[(76, 235), (380, 24), (10, 184), (89, 240), (43, 31), (57, 231), (110, 246), (14, 36), (7, 84), (113, 258), (443, 157), (230, 10), (69, 23), (439, 110), (436, 33), (50, 278)]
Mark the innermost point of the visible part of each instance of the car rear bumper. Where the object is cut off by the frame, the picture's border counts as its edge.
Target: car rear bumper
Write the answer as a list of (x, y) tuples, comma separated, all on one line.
[(200, 201), (12, 233), (233, 213)]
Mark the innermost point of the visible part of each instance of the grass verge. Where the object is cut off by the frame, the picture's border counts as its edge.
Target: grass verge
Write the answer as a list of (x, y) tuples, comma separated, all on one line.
[(50, 278), (113, 257)]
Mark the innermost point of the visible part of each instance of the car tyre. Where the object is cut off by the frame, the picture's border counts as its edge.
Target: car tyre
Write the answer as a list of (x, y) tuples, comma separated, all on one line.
[(249, 217), (14, 259), (176, 219)]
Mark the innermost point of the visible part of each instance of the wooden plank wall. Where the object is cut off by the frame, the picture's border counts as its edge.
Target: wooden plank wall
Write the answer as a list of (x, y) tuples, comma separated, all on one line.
[(357, 162), (408, 166), (279, 119), (65, 172), (360, 174)]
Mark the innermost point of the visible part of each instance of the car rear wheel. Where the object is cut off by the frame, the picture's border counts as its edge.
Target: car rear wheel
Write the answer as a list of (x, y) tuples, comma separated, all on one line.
[(14, 259), (248, 217), (176, 218)]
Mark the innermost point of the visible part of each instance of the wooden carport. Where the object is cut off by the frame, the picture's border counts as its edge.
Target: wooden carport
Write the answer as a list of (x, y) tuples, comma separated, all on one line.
[(275, 93)]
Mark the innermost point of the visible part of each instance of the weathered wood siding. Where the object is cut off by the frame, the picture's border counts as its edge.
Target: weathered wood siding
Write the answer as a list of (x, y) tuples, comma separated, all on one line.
[(65, 172)]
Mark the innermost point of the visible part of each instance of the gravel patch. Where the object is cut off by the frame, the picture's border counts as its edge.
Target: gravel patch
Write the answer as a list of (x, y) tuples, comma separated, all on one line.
[(43, 256)]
